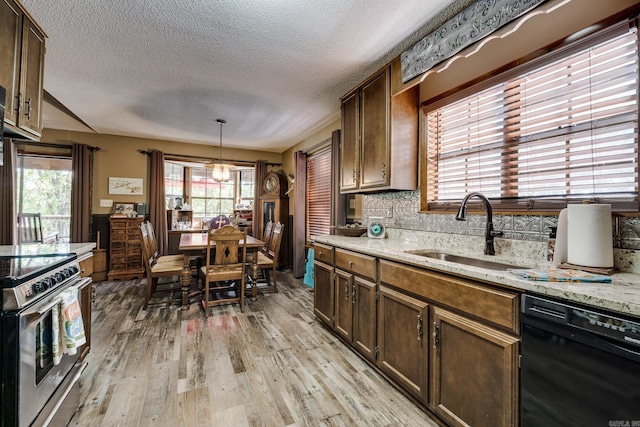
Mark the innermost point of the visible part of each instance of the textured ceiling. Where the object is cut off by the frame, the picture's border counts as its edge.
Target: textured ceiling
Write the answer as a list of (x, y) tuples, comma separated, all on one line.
[(167, 69)]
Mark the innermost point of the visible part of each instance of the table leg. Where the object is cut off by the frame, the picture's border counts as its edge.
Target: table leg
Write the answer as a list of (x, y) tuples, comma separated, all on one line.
[(255, 275)]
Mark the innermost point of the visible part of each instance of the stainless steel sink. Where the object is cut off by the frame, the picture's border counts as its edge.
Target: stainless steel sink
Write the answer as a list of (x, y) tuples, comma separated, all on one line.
[(459, 259)]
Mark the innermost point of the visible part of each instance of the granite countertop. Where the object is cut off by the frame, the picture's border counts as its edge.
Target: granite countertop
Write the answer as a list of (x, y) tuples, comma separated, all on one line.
[(623, 295), (40, 249)]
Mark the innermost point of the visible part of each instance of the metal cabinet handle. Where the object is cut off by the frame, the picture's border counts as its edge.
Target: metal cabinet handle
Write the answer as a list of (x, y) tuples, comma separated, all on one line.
[(28, 104), (435, 335), (384, 170), (346, 292), (354, 175), (353, 294), (419, 327), (17, 109)]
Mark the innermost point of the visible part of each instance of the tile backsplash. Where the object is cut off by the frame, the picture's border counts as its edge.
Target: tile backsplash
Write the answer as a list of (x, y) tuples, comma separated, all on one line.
[(404, 216)]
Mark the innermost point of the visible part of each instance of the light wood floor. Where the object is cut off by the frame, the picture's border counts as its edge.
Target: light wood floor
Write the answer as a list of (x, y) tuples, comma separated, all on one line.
[(273, 365)]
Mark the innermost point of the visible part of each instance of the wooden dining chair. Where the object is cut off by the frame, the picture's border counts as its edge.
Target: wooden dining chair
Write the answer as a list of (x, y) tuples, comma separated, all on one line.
[(224, 272), (29, 228), (153, 242), (156, 268), (268, 262)]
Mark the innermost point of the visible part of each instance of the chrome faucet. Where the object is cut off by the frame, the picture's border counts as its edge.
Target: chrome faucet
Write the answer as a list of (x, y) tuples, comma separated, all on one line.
[(490, 233)]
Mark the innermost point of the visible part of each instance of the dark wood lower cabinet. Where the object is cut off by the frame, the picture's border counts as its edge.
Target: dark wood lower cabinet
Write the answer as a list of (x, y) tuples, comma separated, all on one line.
[(403, 340), (324, 293), (356, 312), (474, 372)]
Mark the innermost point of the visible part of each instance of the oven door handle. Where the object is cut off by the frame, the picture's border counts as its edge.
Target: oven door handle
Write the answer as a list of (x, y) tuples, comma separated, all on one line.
[(42, 310), (49, 306)]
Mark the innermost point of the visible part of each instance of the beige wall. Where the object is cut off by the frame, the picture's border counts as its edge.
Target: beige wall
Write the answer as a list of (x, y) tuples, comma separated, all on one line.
[(118, 157)]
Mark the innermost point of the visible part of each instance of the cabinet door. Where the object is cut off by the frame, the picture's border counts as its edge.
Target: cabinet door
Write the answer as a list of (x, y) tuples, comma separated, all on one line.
[(402, 342), (86, 300), (344, 304), (364, 317), (350, 143), (11, 48), (474, 375), (323, 292), (374, 128), (32, 79)]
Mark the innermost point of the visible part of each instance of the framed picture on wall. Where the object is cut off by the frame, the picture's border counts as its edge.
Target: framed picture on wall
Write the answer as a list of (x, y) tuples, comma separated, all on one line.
[(130, 186)]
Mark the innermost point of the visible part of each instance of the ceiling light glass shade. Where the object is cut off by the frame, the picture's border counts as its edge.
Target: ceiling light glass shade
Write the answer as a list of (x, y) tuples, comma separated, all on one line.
[(221, 171)]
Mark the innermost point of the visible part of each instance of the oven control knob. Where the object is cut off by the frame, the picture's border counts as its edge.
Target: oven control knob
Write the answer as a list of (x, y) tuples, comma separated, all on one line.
[(36, 287), (59, 277), (64, 273), (73, 270), (52, 281)]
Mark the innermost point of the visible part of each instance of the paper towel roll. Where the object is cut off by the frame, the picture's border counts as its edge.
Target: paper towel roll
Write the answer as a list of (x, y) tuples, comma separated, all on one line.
[(589, 235)]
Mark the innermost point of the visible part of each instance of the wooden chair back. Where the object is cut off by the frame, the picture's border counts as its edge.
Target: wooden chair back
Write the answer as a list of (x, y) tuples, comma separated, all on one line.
[(273, 249), (30, 228), (266, 236), (225, 261)]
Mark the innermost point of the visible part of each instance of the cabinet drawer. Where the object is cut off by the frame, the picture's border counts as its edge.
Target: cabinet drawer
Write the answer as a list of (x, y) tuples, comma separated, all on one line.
[(356, 263), (500, 307), (323, 253), (86, 266)]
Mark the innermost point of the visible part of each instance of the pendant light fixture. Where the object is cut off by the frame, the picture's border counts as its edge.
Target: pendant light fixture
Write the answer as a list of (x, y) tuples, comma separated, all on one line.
[(221, 171)]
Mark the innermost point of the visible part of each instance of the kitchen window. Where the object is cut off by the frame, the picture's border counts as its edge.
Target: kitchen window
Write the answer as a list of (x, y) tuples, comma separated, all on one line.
[(319, 193), (561, 127)]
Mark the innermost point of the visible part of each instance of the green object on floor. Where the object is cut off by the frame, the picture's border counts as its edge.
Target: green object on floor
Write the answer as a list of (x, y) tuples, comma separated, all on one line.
[(308, 274)]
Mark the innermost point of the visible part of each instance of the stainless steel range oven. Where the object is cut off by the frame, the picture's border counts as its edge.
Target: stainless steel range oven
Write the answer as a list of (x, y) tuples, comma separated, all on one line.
[(40, 386)]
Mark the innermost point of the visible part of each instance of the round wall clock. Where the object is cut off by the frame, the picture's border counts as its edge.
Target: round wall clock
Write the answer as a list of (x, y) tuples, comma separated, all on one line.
[(376, 228)]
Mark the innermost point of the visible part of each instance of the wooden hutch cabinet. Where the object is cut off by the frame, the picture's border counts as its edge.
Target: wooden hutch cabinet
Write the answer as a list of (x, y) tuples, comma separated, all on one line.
[(125, 250)]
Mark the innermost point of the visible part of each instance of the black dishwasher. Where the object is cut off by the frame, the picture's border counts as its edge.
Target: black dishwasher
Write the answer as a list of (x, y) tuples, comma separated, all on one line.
[(580, 366)]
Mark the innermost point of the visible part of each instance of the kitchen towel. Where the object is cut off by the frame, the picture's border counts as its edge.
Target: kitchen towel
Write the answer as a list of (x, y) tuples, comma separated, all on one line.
[(308, 270), (559, 275), (589, 235), (71, 319)]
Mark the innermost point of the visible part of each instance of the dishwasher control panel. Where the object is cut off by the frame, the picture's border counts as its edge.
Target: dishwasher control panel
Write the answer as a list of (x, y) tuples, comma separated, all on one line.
[(600, 322)]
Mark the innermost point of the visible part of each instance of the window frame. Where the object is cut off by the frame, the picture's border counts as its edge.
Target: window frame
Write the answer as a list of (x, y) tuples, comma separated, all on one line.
[(505, 204)]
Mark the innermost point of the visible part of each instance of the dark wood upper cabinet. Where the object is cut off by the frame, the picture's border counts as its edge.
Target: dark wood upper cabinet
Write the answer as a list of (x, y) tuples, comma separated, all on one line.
[(379, 145), (21, 70)]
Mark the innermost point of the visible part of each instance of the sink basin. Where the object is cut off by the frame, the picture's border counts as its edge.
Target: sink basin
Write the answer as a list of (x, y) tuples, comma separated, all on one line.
[(459, 259)]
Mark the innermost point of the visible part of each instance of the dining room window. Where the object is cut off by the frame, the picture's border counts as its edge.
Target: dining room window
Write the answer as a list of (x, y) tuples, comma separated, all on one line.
[(44, 187), (173, 183), (562, 127)]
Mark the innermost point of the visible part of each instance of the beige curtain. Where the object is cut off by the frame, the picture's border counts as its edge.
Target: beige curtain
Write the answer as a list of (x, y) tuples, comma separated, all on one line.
[(81, 160), (260, 171), (157, 202), (8, 217)]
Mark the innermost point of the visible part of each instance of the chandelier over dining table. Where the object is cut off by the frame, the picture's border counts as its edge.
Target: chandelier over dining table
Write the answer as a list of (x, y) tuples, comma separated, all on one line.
[(221, 170)]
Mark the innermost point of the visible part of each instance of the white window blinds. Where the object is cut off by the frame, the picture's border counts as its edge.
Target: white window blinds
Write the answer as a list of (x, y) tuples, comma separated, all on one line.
[(566, 129)]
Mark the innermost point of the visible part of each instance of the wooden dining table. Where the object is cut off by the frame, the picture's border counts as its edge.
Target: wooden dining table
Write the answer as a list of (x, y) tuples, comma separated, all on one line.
[(196, 243)]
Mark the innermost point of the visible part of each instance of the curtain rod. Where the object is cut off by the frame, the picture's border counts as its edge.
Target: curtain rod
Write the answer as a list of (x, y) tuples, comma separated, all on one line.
[(49, 144), (318, 146), (187, 157)]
